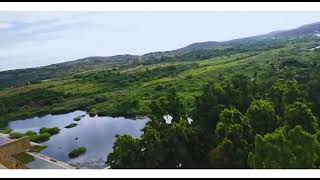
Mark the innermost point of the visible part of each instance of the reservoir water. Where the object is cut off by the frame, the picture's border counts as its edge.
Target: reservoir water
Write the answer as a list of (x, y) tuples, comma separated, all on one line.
[(97, 134)]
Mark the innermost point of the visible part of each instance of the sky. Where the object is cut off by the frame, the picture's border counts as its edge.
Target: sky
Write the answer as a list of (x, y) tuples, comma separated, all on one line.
[(33, 39)]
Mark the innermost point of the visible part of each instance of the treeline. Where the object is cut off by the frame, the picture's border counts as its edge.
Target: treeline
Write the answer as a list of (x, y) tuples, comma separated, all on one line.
[(115, 79), (237, 123)]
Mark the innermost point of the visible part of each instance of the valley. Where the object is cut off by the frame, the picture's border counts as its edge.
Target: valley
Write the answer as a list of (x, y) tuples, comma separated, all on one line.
[(243, 96)]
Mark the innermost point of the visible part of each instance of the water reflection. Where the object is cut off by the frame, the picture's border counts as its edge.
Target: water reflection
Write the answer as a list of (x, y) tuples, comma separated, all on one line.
[(97, 134)]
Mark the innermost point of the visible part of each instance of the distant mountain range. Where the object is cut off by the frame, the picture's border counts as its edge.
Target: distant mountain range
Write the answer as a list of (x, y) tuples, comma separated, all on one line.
[(190, 52)]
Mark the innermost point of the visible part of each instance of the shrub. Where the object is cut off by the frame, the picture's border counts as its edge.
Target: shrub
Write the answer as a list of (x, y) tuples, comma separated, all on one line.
[(77, 152), (30, 133), (40, 138), (6, 131), (16, 135), (51, 131)]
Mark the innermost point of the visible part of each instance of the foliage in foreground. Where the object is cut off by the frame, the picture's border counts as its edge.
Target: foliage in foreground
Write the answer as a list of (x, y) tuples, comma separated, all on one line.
[(224, 134)]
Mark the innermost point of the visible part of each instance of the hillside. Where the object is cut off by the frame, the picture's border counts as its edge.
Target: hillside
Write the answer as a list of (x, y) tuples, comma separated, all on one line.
[(109, 91), (196, 51), (254, 102)]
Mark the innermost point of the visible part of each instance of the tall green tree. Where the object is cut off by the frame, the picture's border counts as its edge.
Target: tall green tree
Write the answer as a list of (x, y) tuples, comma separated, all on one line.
[(300, 114), (175, 107), (239, 92), (283, 93), (125, 153), (233, 125), (283, 150), (262, 117), (278, 96), (233, 135), (162, 146), (169, 105), (208, 106)]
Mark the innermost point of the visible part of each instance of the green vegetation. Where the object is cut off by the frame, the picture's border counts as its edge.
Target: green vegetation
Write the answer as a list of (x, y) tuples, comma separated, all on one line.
[(283, 150), (38, 149), (6, 131), (77, 152), (33, 136), (51, 131), (16, 135), (254, 104), (24, 158), (39, 138), (72, 125), (44, 134)]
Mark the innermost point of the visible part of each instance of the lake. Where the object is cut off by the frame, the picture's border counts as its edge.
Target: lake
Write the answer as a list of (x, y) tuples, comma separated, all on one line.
[(97, 134)]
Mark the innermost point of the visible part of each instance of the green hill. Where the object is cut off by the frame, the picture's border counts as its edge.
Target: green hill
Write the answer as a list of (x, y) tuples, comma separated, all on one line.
[(244, 96)]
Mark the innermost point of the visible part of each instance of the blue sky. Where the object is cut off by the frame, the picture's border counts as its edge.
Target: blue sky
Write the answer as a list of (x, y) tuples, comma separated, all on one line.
[(32, 39)]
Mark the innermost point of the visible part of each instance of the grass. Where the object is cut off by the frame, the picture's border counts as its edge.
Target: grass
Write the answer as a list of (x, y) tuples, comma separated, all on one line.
[(77, 152), (38, 149), (24, 158)]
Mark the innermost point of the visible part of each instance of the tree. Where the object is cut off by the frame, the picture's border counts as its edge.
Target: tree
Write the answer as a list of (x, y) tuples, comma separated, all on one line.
[(3, 108), (233, 134), (175, 107), (300, 114), (233, 125), (208, 106), (277, 95), (282, 150), (169, 105), (255, 84), (283, 93), (262, 117), (162, 146), (125, 153), (239, 92), (157, 110), (293, 93), (127, 107)]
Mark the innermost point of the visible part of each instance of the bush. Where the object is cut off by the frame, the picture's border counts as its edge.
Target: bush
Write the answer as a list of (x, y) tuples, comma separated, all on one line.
[(6, 131), (93, 112), (40, 138), (77, 152), (51, 131), (16, 135), (30, 133)]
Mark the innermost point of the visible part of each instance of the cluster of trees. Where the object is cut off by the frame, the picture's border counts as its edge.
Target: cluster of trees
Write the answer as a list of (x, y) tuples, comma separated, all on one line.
[(38, 97), (235, 125), (116, 79)]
